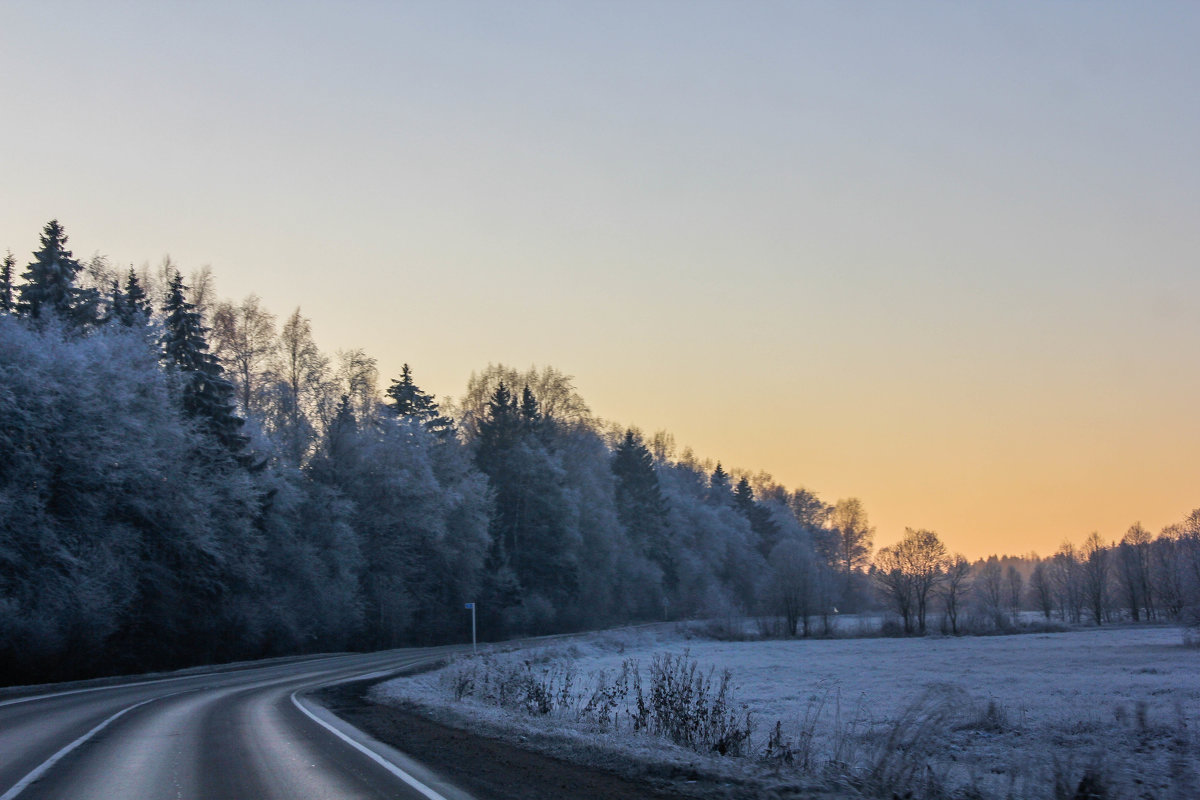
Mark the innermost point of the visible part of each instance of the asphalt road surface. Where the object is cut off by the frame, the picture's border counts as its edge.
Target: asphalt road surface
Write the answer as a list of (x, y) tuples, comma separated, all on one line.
[(249, 733)]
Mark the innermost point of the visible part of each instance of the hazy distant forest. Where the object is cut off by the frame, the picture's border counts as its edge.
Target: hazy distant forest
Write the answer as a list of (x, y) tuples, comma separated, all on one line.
[(186, 480)]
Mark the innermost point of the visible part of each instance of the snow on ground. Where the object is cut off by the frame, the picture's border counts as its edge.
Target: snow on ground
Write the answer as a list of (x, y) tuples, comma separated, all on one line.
[(1003, 714)]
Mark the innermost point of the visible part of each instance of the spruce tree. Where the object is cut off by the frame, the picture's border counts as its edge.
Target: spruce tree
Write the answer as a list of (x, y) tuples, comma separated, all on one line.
[(409, 402), (529, 524), (117, 310), (137, 304), (498, 430), (529, 406), (743, 497), (6, 282), (50, 282), (204, 393), (766, 531), (641, 506), (718, 486)]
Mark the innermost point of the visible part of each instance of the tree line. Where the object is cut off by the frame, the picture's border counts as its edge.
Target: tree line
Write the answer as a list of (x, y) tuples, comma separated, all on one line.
[(186, 480), (1141, 578)]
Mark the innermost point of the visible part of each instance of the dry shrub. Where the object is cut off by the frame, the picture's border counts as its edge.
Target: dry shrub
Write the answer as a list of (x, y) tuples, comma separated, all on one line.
[(680, 702)]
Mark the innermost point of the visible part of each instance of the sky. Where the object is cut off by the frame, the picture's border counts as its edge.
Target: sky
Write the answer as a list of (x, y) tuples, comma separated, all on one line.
[(938, 256)]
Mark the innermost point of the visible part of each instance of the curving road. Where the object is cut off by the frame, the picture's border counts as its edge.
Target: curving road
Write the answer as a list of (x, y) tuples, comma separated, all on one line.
[(247, 733)]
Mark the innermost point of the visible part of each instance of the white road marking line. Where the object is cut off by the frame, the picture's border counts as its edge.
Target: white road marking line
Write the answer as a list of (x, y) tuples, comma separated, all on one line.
[(80, 691), (215, 673), (371, 754), (23, 784)]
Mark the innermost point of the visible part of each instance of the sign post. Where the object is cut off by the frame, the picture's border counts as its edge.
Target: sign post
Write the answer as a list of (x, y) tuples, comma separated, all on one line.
[(473, 647)]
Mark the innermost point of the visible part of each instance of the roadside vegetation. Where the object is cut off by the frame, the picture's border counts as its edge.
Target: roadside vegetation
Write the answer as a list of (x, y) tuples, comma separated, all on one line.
[(1066, 716)]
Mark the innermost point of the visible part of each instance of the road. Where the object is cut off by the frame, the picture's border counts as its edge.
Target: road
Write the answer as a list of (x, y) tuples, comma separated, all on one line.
[(246, 733)]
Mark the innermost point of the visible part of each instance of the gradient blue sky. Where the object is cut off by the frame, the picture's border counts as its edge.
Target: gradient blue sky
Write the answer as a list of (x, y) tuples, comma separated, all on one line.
[(940, 256)]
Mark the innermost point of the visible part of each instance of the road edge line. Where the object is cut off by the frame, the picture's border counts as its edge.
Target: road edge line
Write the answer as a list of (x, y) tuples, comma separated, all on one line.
[(417, 785), (42, 768)]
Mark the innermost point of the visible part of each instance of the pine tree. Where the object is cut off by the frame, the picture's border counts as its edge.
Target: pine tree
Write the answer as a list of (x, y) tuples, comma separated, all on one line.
[(50, 282), (6, 282), (205, 394)]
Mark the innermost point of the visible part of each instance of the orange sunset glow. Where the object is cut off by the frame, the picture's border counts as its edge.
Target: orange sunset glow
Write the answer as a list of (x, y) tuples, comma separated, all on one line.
[(938, 257)]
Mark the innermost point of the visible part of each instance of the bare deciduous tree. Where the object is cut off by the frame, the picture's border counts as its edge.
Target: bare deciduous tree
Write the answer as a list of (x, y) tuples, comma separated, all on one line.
[(244, 339), (1095, 576), (909, 571), (1042, 588), (853, 538), (990, 586), (302, 371), (1014, 584), (1133, 572), (1067, 578), (955, 587)]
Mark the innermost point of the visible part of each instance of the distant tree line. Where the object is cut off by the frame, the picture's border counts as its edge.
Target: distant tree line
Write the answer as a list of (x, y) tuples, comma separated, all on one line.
[(188, 480), (1141, 578)]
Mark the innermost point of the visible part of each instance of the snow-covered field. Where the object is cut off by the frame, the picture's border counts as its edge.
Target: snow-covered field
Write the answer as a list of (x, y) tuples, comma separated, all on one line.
[(1004, 716)]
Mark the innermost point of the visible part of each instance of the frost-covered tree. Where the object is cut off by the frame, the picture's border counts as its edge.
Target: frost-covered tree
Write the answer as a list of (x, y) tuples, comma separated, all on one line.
[(356, 378), (420, 515), (852, 539), (720, 569), (50, 283), (991, 593), (641, 506), (1014, 584), (531, 530), (244, 340), (792, 585), (1066, 575), (134, 308), (204, 394), (1133, 565), (409, 401), (908, 572), (955, 589), (6, 282), (554, 391), (1168, 570), (766, 532), (719, 492), (120, 547), (1095, 573), (301, 375), (1042, 587)]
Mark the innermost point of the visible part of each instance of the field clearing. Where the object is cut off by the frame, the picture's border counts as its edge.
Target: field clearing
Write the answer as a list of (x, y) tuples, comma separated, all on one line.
[(1000, 716)]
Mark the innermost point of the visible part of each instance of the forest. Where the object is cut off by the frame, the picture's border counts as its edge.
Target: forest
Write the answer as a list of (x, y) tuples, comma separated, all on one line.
[(188, 480)]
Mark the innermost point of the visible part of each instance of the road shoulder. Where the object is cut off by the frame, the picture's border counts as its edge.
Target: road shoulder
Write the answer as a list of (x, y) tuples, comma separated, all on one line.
[(489, 768)]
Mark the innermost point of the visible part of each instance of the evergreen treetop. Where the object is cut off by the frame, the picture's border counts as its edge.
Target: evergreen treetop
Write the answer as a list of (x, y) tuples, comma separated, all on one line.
[(137, 304), (205, 393), (116, 303), (641, 505), (50, 282), (743, 496), (6, 282)]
